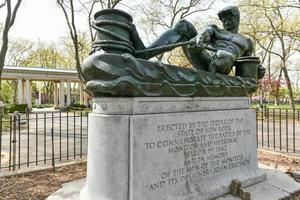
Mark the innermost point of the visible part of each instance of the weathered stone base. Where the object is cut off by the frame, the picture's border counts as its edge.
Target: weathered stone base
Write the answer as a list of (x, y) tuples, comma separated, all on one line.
[(277, 186), (170, 148)]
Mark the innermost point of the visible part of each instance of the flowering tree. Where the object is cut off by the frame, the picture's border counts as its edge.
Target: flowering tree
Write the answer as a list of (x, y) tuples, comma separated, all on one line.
[(268, 87)]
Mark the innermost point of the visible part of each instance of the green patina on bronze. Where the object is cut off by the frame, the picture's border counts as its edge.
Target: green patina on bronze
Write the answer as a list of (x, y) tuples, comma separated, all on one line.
[(113, 31), (124, 75), (118, 64)]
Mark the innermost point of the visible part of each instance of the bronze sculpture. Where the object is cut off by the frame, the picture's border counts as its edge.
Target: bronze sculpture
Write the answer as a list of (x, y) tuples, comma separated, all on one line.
[(227, 43), (118, 65)]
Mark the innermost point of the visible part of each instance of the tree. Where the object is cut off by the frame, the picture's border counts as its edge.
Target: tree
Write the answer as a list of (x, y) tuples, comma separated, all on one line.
[(177, 57), (68, 50), (296, 77), (47, 56), (7, 90), (9, 22), (156, 16), (89, 7), (275, 30), (18, 52), (267, 87), (69, 9), (2, 4)]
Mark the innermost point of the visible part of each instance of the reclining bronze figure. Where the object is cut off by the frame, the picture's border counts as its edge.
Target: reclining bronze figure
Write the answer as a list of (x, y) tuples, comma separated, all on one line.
[(119, 66)]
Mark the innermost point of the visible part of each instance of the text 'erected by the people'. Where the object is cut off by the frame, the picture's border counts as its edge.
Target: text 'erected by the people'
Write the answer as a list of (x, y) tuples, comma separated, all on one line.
[(205, 148)]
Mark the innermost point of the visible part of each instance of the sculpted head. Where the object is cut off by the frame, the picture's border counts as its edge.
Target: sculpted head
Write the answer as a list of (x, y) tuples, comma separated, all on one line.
[(230, 17), (185, 28)]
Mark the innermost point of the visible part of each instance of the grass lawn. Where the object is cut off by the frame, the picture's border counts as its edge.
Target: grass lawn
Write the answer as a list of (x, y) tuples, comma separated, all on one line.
[(273, 106)]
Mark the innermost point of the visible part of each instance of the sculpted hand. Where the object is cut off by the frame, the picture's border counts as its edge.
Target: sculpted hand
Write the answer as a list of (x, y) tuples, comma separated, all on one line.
[(199, 41), (197, 44)]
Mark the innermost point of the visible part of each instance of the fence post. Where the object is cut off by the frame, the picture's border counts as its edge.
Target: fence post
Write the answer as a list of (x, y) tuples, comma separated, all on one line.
[(262, 127), (1, 115), (294, 129), (14, 139), (52, 144)]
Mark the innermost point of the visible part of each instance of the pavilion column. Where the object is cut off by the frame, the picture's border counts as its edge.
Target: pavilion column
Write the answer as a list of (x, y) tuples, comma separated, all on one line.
[(86, 99), (40, 98), (80, 93), (24, 101), (20, 91), (55, 96), (61, 94), (28, 94), (68, 93)]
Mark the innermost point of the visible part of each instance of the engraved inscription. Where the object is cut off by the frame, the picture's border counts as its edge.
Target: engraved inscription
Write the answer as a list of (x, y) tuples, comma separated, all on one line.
[(180, 155), (204, 145)]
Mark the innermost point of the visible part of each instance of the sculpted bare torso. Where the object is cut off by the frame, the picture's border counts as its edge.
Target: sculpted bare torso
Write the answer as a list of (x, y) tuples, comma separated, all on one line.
[(234, 43), (226, 43), (228, 47)]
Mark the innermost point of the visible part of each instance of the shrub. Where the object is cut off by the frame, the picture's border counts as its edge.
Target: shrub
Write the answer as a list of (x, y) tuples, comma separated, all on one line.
[(75, 107), (11, 108)]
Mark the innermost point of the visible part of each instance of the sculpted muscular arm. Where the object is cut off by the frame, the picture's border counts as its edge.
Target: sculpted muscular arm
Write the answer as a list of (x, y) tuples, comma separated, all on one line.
[(196, 54), (249, 51), (207, 33)]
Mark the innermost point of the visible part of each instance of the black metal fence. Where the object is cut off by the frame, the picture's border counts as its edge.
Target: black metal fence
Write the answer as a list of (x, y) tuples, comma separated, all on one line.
[(278, 129), (49, 138), (43, 138)]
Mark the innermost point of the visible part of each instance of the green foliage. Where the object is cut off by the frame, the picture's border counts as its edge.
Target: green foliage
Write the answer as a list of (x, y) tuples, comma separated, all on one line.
[(19, 51), (68, 49), (7, 92), (177, 57), (283, 93), (267, 86), (76, 107), (274, 28), (11, 108), (273, 106), (44, 106), (47, 56)]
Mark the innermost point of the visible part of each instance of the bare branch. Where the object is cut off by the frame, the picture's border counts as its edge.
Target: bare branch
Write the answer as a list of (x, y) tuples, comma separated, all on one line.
[(73, 20), (3, 4), (128, 7), (198, 10), (276, 35), (13, 17), (89, 8), (70, 20), (115, 3), (61, 4), (9, 21)]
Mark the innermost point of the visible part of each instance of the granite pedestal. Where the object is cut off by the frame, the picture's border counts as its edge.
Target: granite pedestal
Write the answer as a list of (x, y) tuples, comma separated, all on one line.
[(170, 148)]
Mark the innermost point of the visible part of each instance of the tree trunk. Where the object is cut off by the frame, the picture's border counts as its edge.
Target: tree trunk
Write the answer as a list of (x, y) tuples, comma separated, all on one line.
[(277, 100), (9, 21), (2, 58), (77, 59), (15, 93), (269, 65), (289, 86)]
